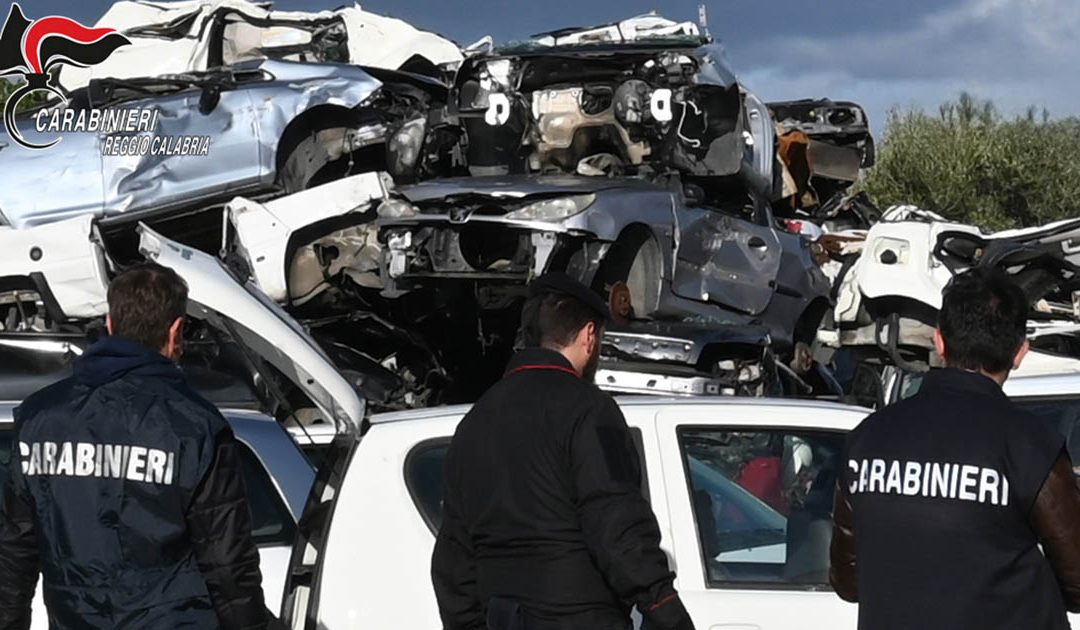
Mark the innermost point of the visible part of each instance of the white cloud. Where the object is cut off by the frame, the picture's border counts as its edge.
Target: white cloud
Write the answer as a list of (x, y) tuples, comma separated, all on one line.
[(1016, 52), (986, 39)]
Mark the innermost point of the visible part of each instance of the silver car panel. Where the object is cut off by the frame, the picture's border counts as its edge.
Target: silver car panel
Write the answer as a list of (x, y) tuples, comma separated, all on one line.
[(245, 127), (58, 183), (725, 260)]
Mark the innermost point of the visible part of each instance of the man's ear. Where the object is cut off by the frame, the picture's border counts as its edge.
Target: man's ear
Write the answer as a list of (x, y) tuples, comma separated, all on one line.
[(1020, 354), (586, 337), (596, 331), (939, 343), (176, 330), (108, 323)]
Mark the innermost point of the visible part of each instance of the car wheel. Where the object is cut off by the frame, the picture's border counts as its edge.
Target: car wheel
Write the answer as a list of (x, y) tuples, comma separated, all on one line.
[(320, 156), (630, 278)]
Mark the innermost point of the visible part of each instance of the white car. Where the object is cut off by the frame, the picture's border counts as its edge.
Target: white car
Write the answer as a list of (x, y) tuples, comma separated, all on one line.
[(742, 490), (764, 564), (887, 298), (196, 35)]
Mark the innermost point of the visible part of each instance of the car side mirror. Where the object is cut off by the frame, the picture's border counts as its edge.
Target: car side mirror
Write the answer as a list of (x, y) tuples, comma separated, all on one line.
[(209, 99)]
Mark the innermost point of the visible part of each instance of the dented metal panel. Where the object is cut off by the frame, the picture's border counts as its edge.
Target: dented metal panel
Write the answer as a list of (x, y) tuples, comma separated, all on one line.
[(725, 260), (250, 107)]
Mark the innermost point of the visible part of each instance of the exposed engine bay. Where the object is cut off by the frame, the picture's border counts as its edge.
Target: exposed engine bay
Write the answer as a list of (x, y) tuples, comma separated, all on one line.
[(637, 110)]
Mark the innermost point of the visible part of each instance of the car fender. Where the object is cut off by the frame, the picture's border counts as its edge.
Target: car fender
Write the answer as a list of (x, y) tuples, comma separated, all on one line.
[(264, 231), (308, 86)]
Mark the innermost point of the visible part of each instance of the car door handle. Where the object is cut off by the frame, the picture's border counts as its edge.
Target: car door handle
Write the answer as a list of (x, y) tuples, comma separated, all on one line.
[(757, 242)]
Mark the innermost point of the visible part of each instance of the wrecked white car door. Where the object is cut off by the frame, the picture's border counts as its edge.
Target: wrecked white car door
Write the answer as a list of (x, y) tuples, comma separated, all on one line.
[(286, 270), (890, 295)]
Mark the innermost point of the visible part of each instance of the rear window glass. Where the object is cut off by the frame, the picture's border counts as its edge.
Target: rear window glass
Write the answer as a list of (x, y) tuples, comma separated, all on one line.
[(424, 468), (271, 521), (424, 478), (762, 502)]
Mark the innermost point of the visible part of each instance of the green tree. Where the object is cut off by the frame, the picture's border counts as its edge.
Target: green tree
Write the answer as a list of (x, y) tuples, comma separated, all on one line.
[(973, 165), (7, 88)]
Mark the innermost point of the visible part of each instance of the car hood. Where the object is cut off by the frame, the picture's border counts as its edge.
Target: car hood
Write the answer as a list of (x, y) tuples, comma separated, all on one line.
[(254, 321), (516, 187)]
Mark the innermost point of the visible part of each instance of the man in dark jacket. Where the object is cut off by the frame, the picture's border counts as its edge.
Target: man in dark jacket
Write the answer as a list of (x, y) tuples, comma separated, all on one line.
[(544, 524), (946, 497), (125, 491)]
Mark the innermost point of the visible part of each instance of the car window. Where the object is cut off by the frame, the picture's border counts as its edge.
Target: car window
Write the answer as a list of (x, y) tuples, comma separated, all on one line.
[(762, 503), (272, 523), (324, 42), (424, 468), (424, 478)]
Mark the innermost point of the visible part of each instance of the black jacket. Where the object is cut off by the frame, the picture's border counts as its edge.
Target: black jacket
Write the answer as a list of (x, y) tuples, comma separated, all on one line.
[(543, 506), (943, 502), (125, 493)]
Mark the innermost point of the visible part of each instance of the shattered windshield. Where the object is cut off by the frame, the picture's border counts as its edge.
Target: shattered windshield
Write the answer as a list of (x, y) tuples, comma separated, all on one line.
[(321, 41)]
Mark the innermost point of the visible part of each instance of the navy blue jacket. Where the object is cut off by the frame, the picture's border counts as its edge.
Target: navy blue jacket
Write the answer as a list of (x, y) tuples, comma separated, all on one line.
[(125, 493)]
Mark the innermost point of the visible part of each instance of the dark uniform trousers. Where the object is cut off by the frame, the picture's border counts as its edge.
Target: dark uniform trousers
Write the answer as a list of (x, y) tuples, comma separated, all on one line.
[(506, 614)]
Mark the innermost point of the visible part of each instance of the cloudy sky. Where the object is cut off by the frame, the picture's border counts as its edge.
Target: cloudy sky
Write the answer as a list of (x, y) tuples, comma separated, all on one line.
[(881, 53)]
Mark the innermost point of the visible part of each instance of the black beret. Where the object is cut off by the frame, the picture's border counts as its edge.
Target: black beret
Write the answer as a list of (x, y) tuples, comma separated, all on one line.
[(555, 282)]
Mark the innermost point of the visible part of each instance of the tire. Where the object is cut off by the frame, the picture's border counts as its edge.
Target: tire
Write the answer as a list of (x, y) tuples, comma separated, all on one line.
[(317, 158), (635, 261)]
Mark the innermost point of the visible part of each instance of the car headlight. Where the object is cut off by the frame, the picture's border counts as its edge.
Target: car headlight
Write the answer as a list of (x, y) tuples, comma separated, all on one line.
[(396, 209), (552, 210)]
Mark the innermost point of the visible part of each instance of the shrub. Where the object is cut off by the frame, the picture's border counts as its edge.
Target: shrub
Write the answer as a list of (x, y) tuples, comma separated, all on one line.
[(972, 165)]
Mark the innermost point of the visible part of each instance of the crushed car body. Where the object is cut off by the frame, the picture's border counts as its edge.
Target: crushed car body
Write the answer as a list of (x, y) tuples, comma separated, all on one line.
[(400, 218), (889, 294), (269, 126), (824, 146), (672, 267), (677, 258), (593, 102), (627, 155), (200, 35)]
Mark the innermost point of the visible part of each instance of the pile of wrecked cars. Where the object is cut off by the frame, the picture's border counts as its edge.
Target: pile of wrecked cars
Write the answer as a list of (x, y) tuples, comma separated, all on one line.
[(396, 199), (399, 210)]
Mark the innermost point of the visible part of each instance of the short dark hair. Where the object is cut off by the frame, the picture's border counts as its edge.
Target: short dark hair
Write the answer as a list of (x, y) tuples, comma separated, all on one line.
[(983, 320), (144, 301), (554, 319)]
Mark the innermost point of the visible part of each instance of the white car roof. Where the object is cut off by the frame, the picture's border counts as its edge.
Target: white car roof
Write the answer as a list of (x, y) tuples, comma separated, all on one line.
[(1044, 385), (637, 401)]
